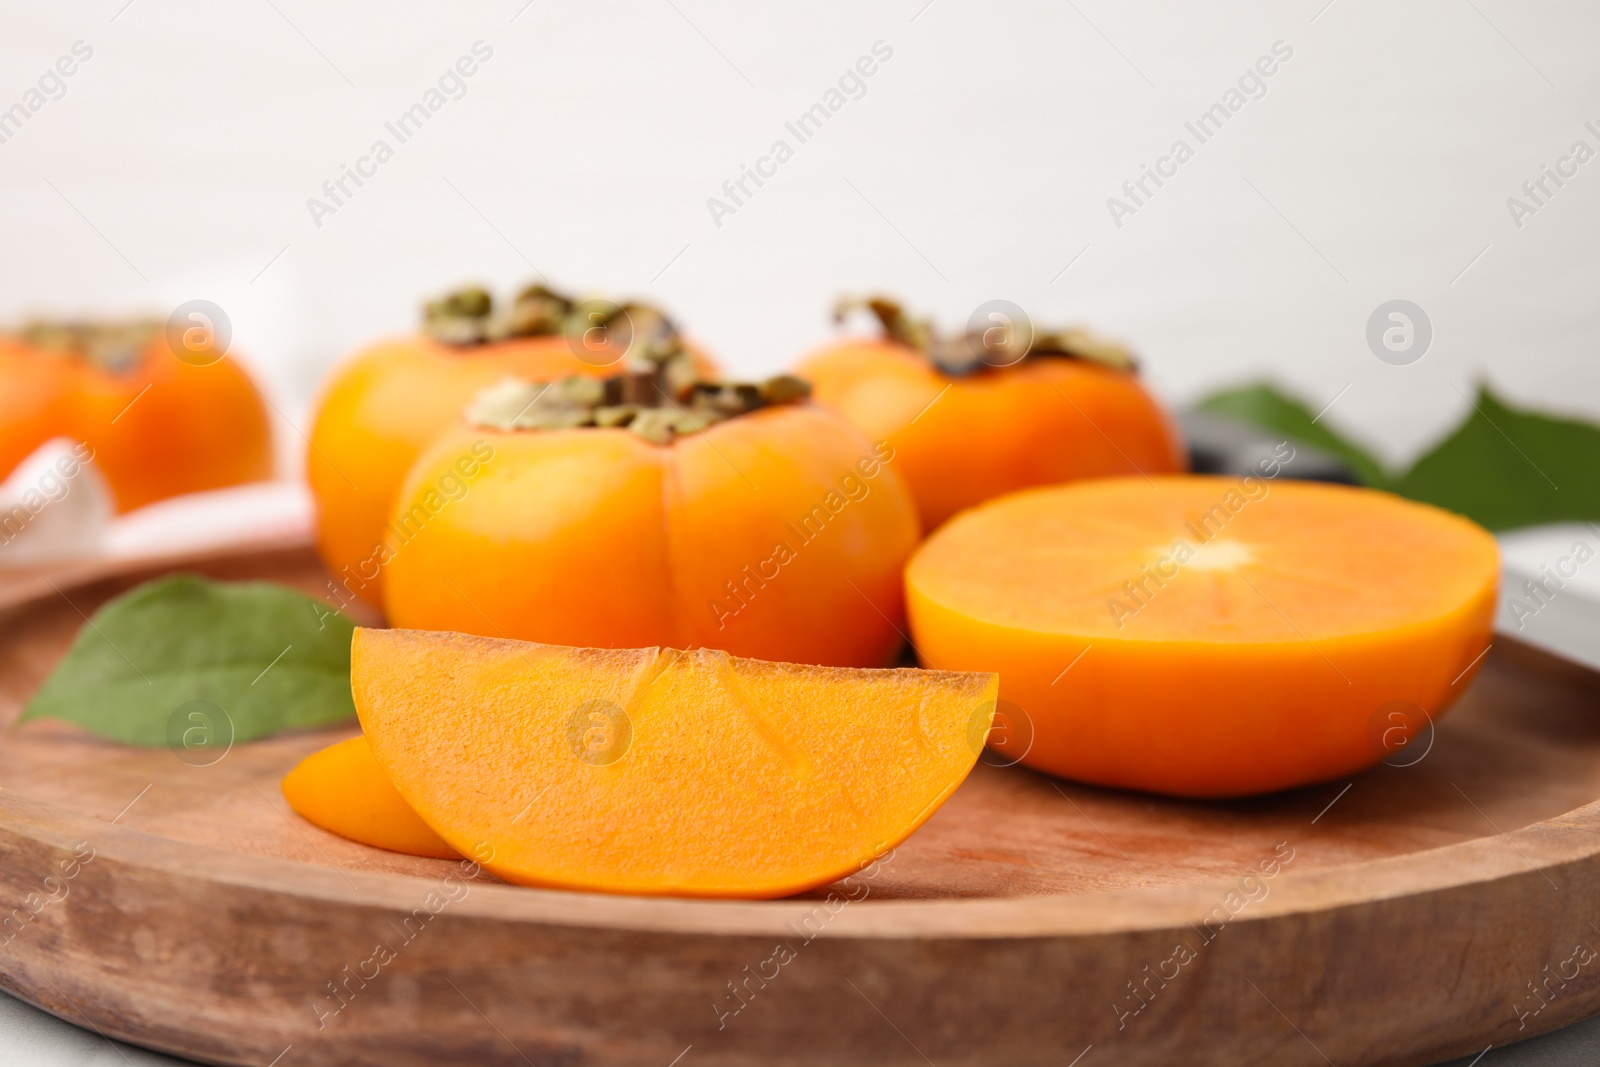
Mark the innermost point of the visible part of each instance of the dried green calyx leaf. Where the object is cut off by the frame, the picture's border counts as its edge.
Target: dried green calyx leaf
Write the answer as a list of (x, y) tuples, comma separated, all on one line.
[(537, 311), (471, 316), (1079, 342), (111, 346), (648, 401), (468, 316), (896, 324), (959, 355)]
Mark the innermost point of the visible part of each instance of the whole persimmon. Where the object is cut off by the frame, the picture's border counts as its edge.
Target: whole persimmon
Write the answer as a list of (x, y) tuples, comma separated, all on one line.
[(629, 513), (981, 414), (160, 423), (389, 401), (33, 401)]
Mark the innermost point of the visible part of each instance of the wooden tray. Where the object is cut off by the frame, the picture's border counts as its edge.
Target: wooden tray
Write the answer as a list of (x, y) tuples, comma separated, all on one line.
[(1410, 916)]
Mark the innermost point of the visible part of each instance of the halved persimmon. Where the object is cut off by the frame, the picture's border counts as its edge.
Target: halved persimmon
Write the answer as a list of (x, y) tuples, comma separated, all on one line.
[(342, 789), (390, 401), (978, 415), (630, 512), (1207, 636), (655, 771)]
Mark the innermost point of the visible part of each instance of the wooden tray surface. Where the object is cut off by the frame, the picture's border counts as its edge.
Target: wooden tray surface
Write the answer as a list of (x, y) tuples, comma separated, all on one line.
[(1414, 913)]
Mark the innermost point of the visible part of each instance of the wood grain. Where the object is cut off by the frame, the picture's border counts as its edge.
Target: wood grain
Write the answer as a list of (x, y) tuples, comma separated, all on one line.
[(1406, 918)]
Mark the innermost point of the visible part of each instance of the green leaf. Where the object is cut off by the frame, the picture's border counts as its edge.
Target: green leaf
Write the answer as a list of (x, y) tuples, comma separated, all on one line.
[(1507, 468), (1502, 467), (268, 657), (1264, 406)]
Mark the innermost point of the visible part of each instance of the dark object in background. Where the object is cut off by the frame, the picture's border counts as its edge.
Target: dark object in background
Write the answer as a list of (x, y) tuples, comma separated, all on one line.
[(1222, 446)]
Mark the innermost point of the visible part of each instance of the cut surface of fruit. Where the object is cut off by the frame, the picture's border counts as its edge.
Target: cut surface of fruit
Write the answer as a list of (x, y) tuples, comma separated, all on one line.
[(655, 771), (1208, 636), (342, 789)]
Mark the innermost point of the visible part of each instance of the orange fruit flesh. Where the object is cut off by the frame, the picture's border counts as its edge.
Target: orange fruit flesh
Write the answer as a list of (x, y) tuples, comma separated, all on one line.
[(655, 771), (342, 789), (1205, 636)]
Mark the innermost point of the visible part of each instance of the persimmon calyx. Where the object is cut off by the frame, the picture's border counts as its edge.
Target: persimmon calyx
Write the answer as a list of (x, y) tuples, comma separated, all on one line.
[(1080, 342), (892, 318), (644, 399), (963, 354), (469, 316), (111, 346)]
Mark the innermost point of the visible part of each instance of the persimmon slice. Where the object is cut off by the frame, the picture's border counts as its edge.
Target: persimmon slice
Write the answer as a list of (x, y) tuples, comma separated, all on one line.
[(655, 771), (342, 789), (1207, 636)]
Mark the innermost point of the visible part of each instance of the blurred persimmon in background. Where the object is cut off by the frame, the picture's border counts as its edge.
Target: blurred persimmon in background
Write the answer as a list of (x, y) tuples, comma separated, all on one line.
[(33, 401), (999, 408), (160, 421), (388, 402)]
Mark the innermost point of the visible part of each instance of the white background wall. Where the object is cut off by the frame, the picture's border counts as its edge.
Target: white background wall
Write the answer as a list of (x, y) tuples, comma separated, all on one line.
[(976, 165)]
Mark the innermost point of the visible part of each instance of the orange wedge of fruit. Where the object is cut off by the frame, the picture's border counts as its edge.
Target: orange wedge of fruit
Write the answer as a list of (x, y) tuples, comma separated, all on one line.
[(656, 771), (342, 789), (1207, 636)]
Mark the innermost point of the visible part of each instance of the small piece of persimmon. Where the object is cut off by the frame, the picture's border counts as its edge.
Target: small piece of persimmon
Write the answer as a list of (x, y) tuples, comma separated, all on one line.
[(342, 789), (968, 425), (380, 409), (1207, 636), (655, 771)]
